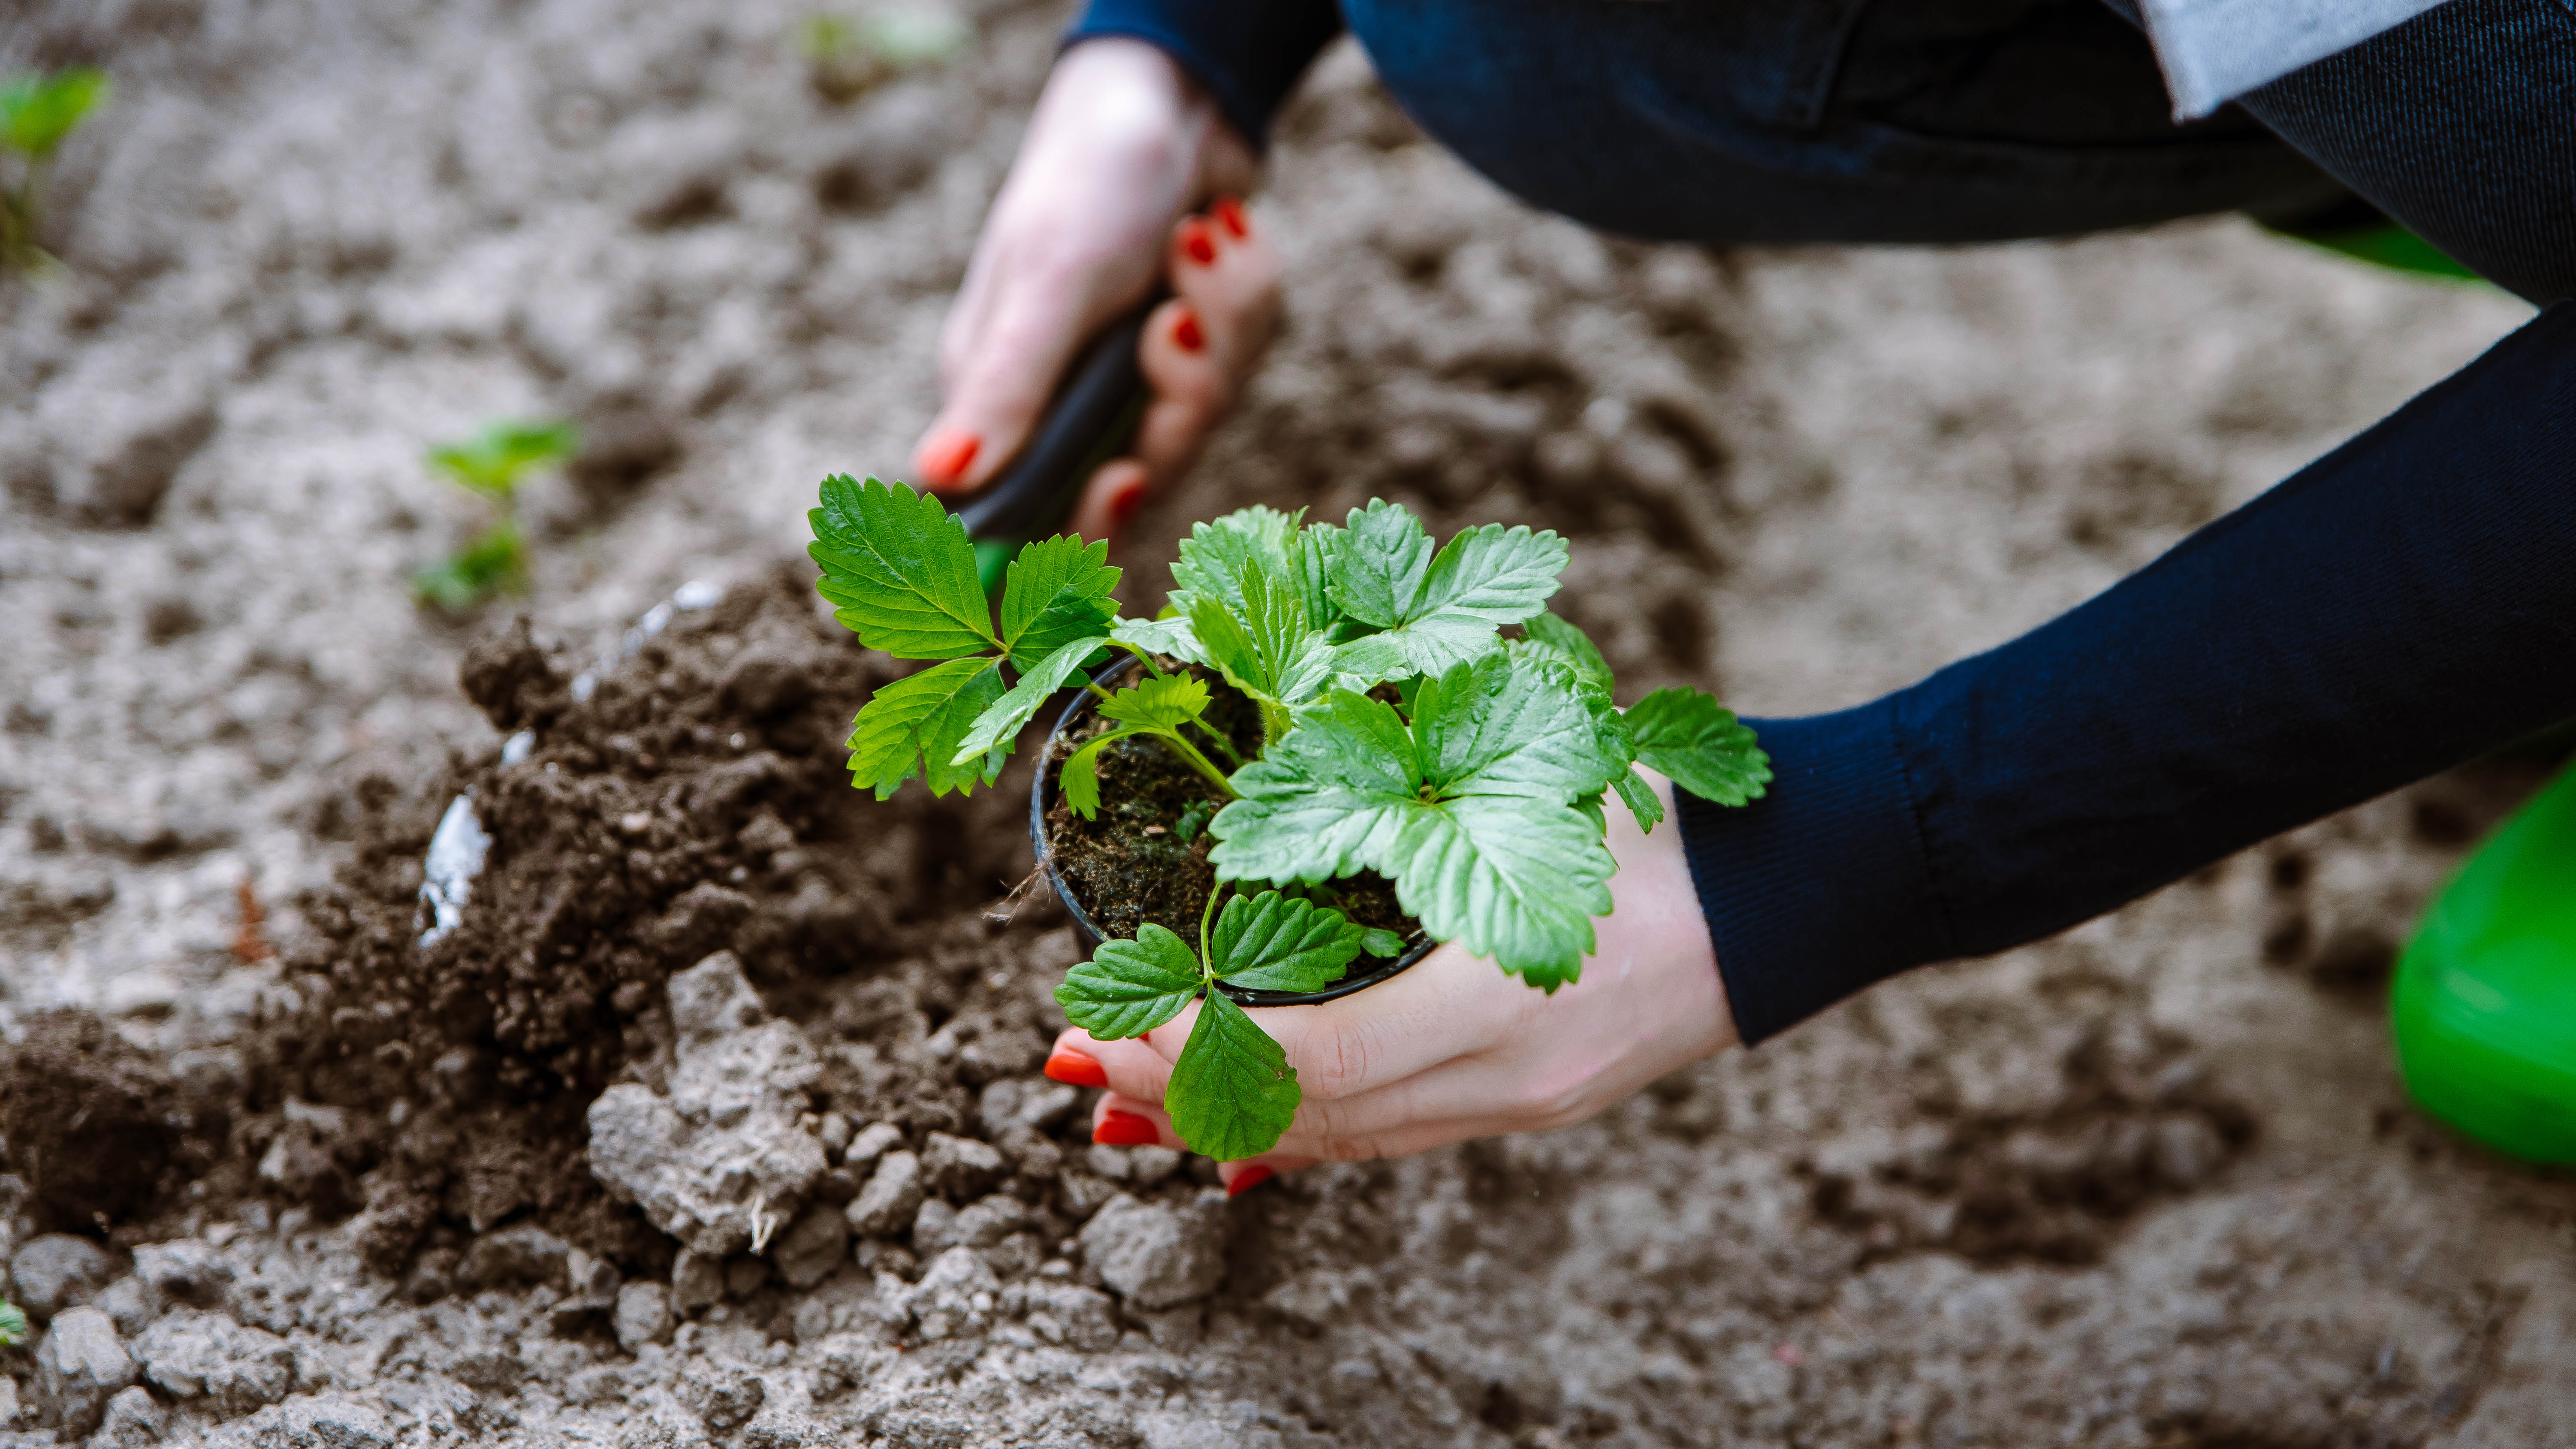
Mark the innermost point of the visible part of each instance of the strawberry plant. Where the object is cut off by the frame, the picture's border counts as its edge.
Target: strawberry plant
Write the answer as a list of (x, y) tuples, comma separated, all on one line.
[(491, 465), (37, 112), (845, 58), (1401, 733)]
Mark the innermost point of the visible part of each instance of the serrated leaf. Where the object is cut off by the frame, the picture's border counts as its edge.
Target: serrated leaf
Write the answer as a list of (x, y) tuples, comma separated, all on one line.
[(916, 724), (1273, 942), (1310, 566), (1057, 591), (1166, 703), (1640, 799), (900, 567), (1079, 781), (1232, 1093), (1378, 942), (1213, 556), (1006, 717), (1440, 609), (1700, 745), (1561, 640), (1128, 988), (1483, 838), (1264, 648), (1172, 636), (1510, 726)]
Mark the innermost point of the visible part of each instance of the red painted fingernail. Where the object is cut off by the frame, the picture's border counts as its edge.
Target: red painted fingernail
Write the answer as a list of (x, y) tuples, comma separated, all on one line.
[(1230, 212), (1188, 333), (1197, 244), (1122, 508), (1125, 1129), (946, 456), (1246, 1180), (1078, 1069)]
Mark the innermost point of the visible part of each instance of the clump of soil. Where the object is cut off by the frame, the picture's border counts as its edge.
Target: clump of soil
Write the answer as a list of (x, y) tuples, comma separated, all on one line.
[(1144, 857), (686, 800), (98, 1129)]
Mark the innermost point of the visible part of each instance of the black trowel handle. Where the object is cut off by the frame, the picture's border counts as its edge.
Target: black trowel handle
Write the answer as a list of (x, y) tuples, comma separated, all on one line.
[(1090, 420)]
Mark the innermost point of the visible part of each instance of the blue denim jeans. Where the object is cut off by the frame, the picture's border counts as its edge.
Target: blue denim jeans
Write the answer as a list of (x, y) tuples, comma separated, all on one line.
[(1772, 121)]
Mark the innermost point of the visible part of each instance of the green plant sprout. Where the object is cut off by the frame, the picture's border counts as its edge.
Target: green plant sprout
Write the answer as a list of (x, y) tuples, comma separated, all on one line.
[(492, 464), (1402, 733), (846, 58), (13, 1324), (36, 113)]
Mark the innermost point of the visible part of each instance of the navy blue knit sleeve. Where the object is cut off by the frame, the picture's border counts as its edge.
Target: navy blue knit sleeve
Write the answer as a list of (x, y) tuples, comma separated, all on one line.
[(2404, 604), (1248, 53)]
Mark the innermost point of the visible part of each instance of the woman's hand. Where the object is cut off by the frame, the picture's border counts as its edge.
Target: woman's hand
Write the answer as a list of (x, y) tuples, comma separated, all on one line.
[(1453, 1048), (1122, 148)]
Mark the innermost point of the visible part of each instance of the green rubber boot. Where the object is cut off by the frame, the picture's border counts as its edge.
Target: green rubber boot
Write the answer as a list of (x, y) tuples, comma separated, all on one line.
[(2485, 1004)]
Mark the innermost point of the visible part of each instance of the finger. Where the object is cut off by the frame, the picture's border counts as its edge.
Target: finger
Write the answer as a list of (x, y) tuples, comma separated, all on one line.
[(1449, 1004), (1118, 1121), (1181, 359), (1223, 266), (1028, 335), (1132, 1067), (1112, 497)]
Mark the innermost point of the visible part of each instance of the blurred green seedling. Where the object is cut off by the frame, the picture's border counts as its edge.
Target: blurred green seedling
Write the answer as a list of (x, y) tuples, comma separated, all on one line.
[(13, 1325), (848, 56), (492, 463), (36, 113)]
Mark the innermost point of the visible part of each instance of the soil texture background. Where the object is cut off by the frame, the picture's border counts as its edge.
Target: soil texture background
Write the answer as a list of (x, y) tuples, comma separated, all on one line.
[(275, 1170)]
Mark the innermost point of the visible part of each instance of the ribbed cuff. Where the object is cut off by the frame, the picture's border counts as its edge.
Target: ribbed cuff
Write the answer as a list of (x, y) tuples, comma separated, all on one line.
[(1249, 54), (1820, 888)]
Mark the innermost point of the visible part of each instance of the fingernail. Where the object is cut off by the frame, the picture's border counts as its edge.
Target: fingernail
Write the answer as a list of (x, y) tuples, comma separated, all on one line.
[(1125, 1129), (947, 455), (1197, 244), (1187, 332), (1122, 508), (1230, 212), (1078, 1069), (1246, 1180)]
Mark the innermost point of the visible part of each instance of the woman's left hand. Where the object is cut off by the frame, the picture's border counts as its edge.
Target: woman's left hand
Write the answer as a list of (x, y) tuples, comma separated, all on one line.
[(1453, 1048)]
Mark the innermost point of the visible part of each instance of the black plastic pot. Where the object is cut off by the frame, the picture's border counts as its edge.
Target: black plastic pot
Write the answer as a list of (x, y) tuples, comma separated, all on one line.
[(1363, 974)]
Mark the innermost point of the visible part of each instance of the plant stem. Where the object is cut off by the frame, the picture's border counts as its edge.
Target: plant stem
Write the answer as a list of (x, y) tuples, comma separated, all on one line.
[(1224, 745), (1197, 761), (1207, 913), (1143, 657)]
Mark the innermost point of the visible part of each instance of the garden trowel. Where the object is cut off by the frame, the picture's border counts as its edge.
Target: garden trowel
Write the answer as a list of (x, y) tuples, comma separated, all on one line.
[(1089, 421)]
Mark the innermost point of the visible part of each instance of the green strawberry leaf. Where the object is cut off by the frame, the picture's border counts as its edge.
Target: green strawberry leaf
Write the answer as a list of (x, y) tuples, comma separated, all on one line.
[(917, 724), (1128, 988), (1165, 704), (494, 460), (1005, 718), (900, 567), (1482, 836), (13, 1325), (1378, 942), (1171, 636), (1080, 779), (1213, 556), (1510, 726), (1640, 799), (1552, 635), (1437, 610), (1272, 942), (1232, 1094), (1058, 591), (1700, 745), (1310, 568)]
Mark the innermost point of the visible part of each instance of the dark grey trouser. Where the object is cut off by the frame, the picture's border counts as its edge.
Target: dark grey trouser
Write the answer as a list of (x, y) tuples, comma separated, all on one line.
[(1729, 121)]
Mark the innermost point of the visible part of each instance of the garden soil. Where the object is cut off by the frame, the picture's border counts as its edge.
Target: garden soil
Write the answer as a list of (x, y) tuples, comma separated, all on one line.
[(714, 1113)]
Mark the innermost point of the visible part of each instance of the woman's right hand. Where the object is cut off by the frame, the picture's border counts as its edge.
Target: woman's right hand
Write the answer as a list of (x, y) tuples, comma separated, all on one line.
[(1122, 150)]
